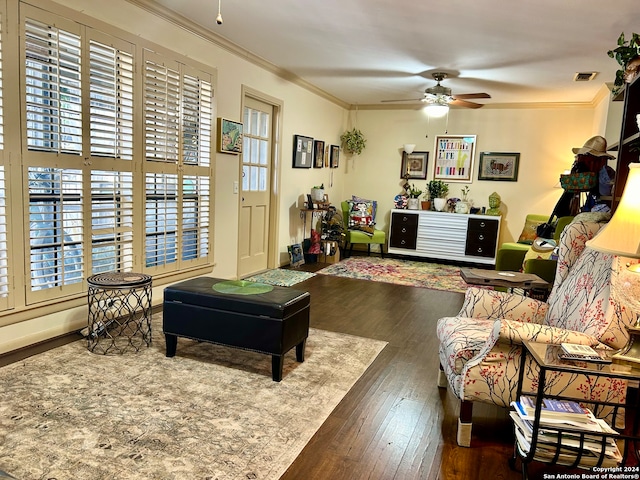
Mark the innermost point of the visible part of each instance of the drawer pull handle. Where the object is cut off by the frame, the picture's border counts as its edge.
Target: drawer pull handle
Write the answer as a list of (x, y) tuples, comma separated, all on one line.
[(402, 242), (404, 230), (479, 249), (480, 237), (482, 224), (404, 219)]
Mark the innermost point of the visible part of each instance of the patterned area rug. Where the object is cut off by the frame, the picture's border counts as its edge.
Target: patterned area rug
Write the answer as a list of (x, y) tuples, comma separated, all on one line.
[(210, 412), (403, 272), (281, 277)]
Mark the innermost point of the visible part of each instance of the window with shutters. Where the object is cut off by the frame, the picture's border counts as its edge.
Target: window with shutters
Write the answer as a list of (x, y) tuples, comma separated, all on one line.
[(178, 105), (95, 205)]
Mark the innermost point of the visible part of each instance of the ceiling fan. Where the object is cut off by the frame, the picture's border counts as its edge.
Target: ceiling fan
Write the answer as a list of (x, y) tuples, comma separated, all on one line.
[(439, 95)]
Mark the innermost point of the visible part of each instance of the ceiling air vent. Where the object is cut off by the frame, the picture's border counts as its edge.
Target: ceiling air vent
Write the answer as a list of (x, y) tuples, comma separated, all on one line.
[(584, 76)]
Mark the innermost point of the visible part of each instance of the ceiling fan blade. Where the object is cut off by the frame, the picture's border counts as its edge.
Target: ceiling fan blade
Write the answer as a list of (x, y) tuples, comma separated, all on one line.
[(404, 100), (465, 96), (464, 103)]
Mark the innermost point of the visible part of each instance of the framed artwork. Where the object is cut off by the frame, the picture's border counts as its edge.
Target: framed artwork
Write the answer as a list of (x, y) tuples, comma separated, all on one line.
[(499, 166), (335, 156), (318, 156), (229, 136), (453, 161), (296, 255), (302, 151), (414, 165)]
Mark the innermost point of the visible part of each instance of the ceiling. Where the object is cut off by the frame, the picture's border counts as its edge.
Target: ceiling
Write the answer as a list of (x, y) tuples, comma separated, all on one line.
[(365, 51)]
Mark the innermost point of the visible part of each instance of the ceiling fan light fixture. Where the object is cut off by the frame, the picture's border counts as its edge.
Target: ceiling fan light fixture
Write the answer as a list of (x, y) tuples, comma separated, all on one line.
[(436, 110)]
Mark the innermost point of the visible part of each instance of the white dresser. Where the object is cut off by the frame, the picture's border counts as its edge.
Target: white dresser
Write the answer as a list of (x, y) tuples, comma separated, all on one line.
[(446, 236)]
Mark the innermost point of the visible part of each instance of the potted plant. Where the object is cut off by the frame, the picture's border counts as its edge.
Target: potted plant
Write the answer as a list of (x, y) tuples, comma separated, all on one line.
[(426, 203), (463, 205), (317, 193), (353, 141), (414, 198), (627, 54), (438, 191)]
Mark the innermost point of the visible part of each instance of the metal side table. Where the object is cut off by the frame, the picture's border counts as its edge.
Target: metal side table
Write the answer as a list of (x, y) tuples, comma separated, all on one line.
[(119, 312)]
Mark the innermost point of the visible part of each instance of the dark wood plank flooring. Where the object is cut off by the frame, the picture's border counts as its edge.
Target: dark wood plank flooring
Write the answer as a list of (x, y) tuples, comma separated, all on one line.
[(395, 423)]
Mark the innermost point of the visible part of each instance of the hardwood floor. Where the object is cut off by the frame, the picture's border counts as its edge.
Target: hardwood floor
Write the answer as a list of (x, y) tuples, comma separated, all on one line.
[(395, 423)]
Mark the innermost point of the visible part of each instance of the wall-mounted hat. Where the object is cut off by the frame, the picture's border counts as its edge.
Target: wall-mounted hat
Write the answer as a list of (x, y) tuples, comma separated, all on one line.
[(596, 146)]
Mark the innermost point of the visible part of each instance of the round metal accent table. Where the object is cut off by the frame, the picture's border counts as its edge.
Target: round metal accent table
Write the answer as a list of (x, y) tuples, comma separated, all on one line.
[(119, 312)]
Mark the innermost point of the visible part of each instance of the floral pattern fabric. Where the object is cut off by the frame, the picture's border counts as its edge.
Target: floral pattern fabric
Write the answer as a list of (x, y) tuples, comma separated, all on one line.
[(481, 348)]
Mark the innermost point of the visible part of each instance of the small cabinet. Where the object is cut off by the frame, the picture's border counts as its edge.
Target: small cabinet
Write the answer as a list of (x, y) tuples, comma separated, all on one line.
[(404, 230), (482, 237)]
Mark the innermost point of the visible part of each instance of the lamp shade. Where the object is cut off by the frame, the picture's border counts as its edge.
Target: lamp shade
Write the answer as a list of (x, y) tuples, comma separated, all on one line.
[(621, 236), (409, 147)]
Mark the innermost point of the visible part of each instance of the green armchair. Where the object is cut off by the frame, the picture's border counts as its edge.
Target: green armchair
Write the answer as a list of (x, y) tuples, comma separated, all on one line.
[(510, 256), (352, 237)]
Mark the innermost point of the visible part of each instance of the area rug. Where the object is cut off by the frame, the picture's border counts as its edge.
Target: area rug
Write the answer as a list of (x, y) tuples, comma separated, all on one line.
[(210, 412), (281, 276), (402, 272)]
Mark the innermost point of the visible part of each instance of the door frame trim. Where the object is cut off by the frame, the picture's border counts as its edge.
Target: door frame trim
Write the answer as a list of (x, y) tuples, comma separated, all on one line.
[(273, 251)]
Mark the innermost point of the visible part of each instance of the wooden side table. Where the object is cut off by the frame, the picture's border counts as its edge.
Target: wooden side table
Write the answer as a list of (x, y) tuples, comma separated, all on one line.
[(119, 312)]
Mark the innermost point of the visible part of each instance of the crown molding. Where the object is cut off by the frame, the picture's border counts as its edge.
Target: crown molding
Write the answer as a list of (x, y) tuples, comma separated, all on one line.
[(489, 106), (202, 32)]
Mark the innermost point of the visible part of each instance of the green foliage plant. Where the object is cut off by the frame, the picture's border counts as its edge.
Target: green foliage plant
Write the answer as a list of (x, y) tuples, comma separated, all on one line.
[(626, 51), (353, 141), (437, 189), (414, 192)]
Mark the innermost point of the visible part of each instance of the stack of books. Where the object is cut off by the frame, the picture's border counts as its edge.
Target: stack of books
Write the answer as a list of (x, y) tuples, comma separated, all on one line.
[(576, 428)]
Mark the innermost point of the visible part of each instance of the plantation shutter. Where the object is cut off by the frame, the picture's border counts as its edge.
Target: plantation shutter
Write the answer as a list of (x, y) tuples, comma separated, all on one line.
[(178, 118), (55, 231), (111, 100), (4, 247), (54, 93)]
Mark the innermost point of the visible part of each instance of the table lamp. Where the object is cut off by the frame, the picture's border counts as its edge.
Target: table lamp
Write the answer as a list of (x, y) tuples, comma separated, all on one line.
[(621, 237)]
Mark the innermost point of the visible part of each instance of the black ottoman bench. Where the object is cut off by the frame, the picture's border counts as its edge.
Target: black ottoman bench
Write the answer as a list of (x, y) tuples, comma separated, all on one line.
[(272, 323)]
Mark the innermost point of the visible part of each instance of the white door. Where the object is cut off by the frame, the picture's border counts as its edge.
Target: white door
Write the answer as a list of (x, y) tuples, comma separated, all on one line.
[(255, 188)]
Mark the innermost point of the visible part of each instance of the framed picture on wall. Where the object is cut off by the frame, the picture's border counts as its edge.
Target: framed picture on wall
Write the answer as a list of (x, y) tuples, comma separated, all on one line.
[(499, 166), (302, 151), (414, 165), (229, 136), (453, 160), (318, 155), (335, 156)]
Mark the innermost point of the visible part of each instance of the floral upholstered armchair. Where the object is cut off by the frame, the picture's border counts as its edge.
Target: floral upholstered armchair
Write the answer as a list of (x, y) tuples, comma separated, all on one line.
[(480, 348)]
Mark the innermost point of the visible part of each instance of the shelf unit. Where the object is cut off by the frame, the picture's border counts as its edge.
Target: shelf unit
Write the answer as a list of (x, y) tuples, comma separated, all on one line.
[(547, 359), (628, 136)]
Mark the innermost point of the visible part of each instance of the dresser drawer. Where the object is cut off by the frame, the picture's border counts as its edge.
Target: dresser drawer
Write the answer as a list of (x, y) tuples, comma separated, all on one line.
[(404, 219), (482, 225), (403, 236)]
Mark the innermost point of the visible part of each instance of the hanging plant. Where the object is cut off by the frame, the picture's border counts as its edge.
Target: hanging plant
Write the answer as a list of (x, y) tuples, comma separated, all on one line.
[(353, 141), (626, 54)]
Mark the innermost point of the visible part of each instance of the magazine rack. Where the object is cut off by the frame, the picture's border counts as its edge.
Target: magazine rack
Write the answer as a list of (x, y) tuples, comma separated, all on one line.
[(547, 358)]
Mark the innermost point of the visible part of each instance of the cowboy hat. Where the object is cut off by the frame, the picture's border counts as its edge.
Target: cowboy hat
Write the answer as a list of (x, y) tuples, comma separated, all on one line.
[(596, 146)]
